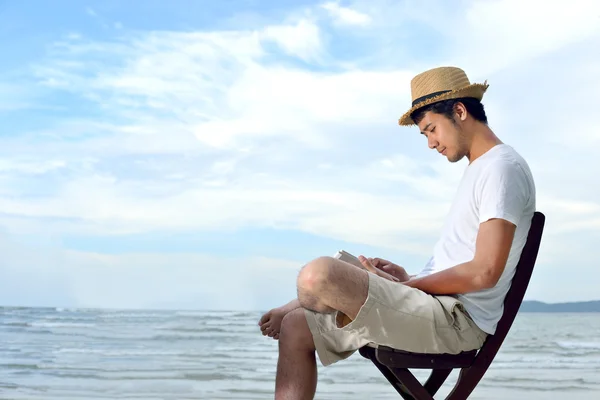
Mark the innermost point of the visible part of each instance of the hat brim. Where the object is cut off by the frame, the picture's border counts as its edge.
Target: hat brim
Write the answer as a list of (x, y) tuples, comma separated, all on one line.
[(475, 90)]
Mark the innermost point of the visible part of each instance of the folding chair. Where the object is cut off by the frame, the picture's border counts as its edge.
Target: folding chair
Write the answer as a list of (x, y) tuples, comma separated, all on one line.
[(394, 364)]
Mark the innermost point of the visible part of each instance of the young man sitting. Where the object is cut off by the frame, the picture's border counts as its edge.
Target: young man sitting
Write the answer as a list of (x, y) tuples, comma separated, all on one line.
[(457, 299)]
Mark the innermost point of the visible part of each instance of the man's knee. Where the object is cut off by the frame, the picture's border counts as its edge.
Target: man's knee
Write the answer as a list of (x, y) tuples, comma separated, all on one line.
[(295, 330), (315, 275)]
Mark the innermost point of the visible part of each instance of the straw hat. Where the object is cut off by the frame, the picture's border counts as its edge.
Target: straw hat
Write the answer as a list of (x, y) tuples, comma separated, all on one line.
[(439, 84)]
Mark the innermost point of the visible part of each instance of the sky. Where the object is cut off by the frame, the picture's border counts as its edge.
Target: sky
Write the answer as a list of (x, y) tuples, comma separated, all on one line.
[(196, 154)]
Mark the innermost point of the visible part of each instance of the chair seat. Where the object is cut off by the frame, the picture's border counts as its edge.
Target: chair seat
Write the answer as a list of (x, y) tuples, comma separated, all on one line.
[(403, 359)]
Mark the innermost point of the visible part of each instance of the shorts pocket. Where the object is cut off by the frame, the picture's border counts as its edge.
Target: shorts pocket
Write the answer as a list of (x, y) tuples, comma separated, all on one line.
[(454, 314)]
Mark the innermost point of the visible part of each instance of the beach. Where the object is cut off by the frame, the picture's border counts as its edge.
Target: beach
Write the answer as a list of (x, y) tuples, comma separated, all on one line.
[(54, 353)]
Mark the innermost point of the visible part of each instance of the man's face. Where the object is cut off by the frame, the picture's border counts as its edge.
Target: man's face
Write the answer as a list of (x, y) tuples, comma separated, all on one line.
[(445, 136)]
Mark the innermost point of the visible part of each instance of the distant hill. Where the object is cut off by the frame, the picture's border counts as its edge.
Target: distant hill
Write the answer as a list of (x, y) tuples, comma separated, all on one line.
[(574, 307)]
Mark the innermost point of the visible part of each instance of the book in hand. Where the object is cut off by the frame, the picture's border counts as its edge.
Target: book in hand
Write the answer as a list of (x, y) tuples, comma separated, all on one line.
[(349, 258)]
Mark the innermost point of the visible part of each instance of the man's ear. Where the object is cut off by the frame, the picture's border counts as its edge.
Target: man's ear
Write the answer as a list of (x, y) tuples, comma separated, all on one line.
[(461, 111)]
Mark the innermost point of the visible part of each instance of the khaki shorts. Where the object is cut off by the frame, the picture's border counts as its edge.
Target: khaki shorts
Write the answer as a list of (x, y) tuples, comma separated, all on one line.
[(396, 316)]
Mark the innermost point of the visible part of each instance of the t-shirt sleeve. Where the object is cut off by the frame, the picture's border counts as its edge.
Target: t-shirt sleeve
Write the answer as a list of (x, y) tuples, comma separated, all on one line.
[(504, 192)]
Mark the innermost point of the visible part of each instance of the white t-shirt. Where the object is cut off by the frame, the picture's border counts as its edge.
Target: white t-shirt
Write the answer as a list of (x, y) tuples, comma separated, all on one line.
[(498, 184)]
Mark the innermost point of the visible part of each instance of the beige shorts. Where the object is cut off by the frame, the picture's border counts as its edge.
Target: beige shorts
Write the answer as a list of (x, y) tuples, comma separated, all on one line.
[(400, 317)]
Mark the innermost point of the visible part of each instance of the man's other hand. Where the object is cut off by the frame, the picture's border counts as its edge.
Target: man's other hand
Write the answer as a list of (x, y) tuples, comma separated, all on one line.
[(377, 271), (390, 268)]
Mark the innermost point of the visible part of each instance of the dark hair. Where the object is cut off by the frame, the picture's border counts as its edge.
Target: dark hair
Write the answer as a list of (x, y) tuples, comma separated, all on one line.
[(446, 107)]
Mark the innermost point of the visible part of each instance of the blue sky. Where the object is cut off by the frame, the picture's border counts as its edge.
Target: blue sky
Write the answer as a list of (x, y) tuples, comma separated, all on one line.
[(197, 154)]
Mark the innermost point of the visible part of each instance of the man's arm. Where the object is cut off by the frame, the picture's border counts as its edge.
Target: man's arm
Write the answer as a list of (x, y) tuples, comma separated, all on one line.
[(494, 241)]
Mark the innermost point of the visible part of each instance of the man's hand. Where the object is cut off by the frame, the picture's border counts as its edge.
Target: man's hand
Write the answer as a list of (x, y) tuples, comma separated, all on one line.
[(371, 268), (390, 268)]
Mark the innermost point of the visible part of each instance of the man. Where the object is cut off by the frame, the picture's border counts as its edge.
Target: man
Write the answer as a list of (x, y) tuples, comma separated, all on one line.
[(457, 299)]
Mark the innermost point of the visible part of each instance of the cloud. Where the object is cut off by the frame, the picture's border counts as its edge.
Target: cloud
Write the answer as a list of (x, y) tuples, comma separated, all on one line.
[(174, 74), (301, 40), (346, 16), (33, 167), (49, 276), (113, 206), (508, 32)]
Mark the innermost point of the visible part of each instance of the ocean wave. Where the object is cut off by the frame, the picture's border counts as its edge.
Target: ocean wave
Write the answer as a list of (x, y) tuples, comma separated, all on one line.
[(537, 380), (202, 335), (545, 388), (132, 375), (20, 366), (216, 315), (558, 364), (568, 349), (235, 356), (118, 353), (69, 310), (198, 329), (16, 324), (578, 345), (132, 315), (211, 376), (62, 325)]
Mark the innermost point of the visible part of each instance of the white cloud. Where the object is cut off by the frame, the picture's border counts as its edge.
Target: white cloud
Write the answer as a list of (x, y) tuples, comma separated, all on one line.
[(302, 40), (174, 74), (345, 15), (33, 167), (379, 219), (46, 276), (503, 33)]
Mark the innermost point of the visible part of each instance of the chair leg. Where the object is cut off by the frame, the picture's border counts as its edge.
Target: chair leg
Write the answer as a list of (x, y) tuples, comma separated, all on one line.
[(396, 383), (436, 380), (369, 353), (466, 382), (411, 383)]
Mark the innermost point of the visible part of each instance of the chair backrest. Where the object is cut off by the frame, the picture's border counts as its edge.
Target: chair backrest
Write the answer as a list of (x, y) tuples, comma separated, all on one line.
[(518, 287)]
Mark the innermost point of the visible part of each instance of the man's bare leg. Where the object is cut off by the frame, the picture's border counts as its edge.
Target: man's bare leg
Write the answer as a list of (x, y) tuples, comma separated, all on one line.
[(324, 285), (296, 367)]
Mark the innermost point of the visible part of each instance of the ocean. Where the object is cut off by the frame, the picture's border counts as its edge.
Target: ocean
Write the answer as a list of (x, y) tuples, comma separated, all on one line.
[(118, 354)]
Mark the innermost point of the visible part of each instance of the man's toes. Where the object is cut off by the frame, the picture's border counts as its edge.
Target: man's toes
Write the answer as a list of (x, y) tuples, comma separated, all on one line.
[(276, 336), (266, 328)]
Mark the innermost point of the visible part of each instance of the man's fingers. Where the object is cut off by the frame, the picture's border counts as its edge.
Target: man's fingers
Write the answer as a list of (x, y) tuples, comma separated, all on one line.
[(380, 261), (391, 277), (388, 276), (367, 264), (375, 262)]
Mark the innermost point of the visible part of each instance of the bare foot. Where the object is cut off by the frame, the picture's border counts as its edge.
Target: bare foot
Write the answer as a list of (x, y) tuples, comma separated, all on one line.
[(270, 323)]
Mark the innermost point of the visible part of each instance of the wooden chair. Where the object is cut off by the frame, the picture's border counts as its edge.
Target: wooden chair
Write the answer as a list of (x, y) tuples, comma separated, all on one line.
[(394, 364)]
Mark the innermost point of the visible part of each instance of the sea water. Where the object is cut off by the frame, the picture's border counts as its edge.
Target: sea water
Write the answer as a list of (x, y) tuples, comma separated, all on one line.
[(118, 354)]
